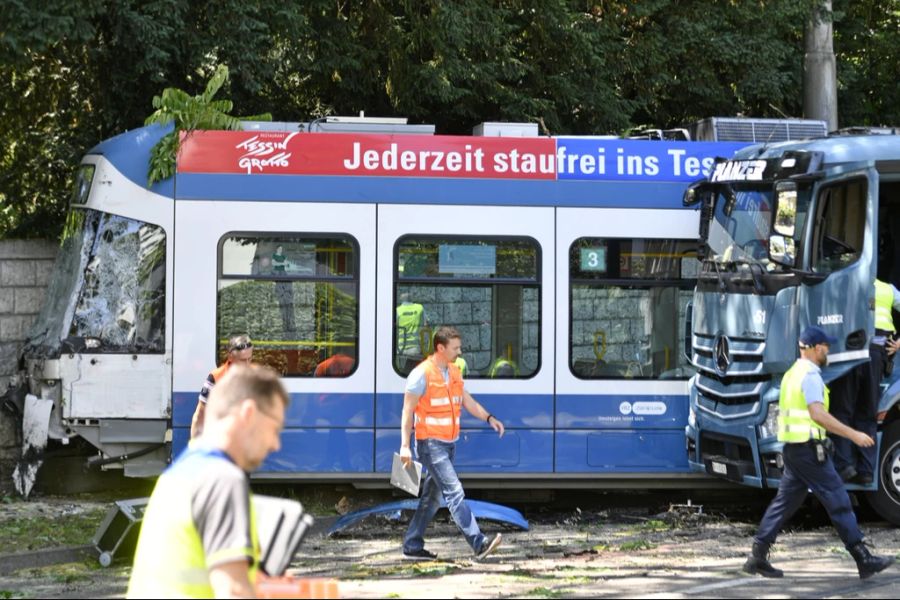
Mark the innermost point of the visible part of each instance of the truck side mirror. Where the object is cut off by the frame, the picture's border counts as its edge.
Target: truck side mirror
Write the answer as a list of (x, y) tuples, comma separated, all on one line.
[(782, 250), (785, 208)]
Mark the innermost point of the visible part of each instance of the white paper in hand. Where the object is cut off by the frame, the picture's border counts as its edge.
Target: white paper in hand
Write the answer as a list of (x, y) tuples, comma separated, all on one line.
[(406, 478)]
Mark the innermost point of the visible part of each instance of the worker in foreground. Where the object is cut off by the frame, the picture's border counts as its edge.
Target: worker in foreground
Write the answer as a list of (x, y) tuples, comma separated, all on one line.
[(198, 537), (803, 421)]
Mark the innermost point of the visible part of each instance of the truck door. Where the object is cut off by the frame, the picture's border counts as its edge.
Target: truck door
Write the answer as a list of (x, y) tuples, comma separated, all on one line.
[(840, 252)]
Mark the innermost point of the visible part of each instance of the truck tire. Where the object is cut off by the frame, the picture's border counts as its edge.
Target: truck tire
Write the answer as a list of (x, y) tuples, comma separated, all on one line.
[(886, 501)]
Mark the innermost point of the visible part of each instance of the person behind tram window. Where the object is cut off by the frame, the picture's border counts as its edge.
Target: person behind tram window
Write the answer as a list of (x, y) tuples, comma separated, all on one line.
[(338, 365), (503, 367), (284, 290), (410, 322), (462, 365), (857, 403), (435, 395), (240, 352), (803, 420), (198, 537)]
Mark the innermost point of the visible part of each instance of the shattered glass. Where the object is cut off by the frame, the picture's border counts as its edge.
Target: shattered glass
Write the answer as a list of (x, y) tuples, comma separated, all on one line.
[(109, 283)]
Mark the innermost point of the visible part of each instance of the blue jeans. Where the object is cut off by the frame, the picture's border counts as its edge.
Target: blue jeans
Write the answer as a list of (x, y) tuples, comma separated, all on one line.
[(441, 479), (802, 473)]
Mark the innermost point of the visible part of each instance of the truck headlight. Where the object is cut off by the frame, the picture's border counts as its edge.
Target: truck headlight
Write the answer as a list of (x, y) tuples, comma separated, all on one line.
[(692, 418), (769, 427)]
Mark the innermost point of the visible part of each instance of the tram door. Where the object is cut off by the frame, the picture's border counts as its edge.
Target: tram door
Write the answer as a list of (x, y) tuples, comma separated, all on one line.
[(624, 282), (299, 278), (487, 272)]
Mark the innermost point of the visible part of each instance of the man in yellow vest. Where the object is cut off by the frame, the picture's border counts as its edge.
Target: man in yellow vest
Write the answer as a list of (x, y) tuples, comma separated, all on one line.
[(435, 394), (803, 420), (410, 321), (857, 403), (198, 535), (240, 352)]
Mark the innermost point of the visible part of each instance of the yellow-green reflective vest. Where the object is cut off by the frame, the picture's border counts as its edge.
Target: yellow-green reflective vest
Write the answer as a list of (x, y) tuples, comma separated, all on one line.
[(409, 320), (884, 302), (169, 561), (503, 367), (461, 364), (794, 423)]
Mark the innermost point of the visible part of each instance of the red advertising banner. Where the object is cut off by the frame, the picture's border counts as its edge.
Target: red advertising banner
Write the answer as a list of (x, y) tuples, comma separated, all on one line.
[(298, 153)]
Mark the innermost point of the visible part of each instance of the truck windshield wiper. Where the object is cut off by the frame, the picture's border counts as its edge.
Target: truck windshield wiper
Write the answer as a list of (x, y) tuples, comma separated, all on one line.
[(757, 277)]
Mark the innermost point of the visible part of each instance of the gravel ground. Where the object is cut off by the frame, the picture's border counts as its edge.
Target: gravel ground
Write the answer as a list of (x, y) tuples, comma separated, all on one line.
[(579, 546)]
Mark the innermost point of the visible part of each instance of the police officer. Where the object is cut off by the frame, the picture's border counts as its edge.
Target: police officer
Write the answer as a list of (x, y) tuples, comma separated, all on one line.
[(803, 420), (858, 407)]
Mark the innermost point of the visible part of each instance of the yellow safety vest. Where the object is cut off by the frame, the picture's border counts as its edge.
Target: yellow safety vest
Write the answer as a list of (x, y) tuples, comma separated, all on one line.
[(461, 364), (409, 320), (169, 561), (884, 302), (501, 362), (794, 423)]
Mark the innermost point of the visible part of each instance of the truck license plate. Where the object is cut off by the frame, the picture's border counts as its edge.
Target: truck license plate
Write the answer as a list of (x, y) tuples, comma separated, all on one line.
[(719, 468)]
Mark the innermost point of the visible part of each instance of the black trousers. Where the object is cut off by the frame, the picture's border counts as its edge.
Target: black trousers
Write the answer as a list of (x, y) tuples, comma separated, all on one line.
[(854, 402), (803, 473)]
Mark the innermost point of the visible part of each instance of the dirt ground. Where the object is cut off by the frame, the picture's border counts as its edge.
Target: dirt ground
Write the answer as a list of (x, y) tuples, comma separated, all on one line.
[(594, 545)]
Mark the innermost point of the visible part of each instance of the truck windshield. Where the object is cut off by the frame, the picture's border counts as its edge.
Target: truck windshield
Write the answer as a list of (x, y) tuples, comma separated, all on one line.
[(740, 226), (107, 291)]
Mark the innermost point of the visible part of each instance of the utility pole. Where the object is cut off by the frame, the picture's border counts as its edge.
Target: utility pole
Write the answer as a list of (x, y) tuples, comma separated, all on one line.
[(819, 68)]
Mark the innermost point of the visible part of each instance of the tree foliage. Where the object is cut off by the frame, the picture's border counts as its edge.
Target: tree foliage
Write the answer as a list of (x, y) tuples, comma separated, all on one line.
[(73, 73), (189, 113)]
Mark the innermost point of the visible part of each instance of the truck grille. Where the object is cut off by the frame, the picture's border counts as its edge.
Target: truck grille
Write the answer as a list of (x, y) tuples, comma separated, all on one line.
[(743, 379)]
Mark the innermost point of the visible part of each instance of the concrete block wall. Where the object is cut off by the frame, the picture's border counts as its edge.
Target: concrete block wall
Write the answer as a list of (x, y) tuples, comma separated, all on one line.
[(25, 268)]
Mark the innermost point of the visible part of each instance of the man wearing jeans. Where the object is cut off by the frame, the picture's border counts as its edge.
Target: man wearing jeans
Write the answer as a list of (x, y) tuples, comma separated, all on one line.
[(435, 394)]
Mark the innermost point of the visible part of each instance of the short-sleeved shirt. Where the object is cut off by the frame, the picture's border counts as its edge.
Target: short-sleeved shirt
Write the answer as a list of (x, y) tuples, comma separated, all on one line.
[(415, 382), (204, 493), (812, 385)]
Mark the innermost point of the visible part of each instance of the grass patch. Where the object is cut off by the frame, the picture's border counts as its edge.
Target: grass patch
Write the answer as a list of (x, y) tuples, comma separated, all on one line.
[(654, 525), (544, 592), (20, 534), (636, 546), (422, 569)]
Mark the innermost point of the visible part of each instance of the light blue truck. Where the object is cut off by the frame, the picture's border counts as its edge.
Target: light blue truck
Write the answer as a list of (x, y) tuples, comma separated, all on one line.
[(791, 234)]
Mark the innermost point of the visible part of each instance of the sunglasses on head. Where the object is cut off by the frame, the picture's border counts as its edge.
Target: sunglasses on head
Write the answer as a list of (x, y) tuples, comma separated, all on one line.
[(241, 346)]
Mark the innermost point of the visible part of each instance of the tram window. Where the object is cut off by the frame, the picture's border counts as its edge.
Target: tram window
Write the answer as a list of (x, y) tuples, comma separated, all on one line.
[(488, 288), (296, 295), (627, 306), (122, 288)]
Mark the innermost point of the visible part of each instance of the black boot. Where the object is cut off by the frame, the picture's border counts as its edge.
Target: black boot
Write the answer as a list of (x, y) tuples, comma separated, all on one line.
[(867, 563), (758, 562)]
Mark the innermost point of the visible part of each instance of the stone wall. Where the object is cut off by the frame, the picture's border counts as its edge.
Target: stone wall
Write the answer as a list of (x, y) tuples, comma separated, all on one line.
[(25, 268)]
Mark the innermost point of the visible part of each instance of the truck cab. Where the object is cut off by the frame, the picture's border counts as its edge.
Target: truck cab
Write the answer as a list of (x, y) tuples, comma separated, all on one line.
[(791, 235)]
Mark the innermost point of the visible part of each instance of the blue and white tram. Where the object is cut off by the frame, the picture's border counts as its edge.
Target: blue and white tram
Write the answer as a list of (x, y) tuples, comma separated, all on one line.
[(569, 260)]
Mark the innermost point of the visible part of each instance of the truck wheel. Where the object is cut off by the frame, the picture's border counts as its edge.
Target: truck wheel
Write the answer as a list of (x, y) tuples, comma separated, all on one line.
[(886, 501)]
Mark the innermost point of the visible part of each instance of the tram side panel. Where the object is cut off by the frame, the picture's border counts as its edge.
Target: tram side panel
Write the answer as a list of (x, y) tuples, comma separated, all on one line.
[(299, 279), (491, 277), (624, 280)]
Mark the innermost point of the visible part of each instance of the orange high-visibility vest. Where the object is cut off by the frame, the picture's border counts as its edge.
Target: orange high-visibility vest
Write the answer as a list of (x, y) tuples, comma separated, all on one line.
[(437, 413), (219, 372)]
